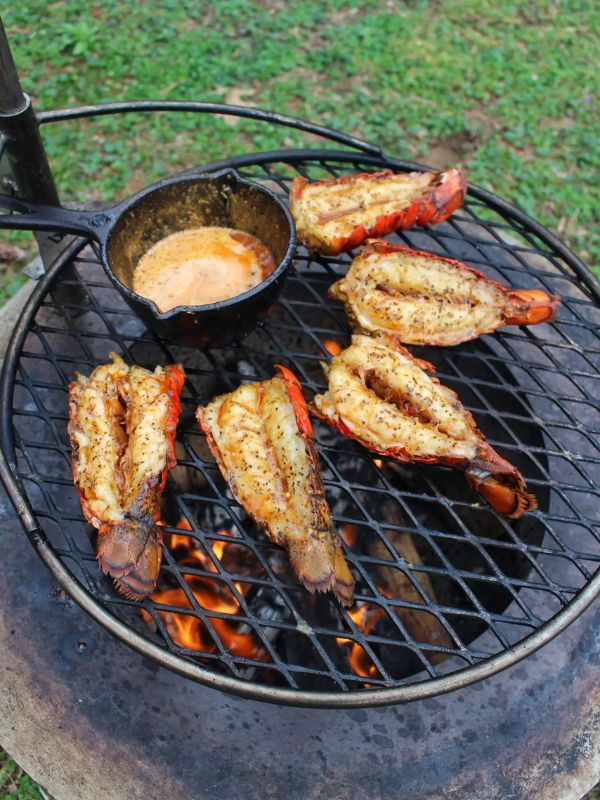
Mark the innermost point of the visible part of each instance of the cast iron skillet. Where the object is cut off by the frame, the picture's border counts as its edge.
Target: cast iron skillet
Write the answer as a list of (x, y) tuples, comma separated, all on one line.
[(127, 230)]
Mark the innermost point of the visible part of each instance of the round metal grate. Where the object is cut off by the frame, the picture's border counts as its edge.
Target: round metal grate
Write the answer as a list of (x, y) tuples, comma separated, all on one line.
[(447, 591)]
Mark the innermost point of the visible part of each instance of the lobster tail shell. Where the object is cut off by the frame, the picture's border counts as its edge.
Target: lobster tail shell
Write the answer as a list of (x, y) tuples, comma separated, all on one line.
[(320, 565), (122, 426), (531, 306), (499, 483), (430, 204), (293, 389), (130, 552), (446, 196), (309, 561), (275, 475)]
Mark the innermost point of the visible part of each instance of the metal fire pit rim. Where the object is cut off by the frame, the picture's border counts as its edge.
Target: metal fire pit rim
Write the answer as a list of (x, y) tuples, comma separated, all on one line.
[(308, 699), (196, 672)]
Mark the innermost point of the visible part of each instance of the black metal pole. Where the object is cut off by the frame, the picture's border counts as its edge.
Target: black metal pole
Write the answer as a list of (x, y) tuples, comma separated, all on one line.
[(11, 94), (29, 175)]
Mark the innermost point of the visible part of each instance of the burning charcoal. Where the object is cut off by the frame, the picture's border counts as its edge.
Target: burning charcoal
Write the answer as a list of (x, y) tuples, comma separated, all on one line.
[(423, 626), (372, 617), (366, 616), (333, 347)]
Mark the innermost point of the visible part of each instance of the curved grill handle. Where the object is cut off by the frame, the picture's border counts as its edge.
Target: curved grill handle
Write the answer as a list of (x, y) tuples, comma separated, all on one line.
[(102, 109)]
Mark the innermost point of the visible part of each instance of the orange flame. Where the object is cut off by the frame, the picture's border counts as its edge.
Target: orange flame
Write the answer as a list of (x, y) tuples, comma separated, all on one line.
[(176, 539), (333, 347), (365, 617), (211, 594)]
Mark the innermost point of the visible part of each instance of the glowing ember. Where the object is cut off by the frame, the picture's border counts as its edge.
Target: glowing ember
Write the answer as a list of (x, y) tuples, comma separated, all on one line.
[(333, 347), (211, 594), (378, 462), (216, 596), (349, 532)]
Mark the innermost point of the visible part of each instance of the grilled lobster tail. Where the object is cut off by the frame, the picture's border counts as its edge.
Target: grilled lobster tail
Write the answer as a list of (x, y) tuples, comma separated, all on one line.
[(262, 439), (122, 427), (384, 398), (335, 216), (425, 299)]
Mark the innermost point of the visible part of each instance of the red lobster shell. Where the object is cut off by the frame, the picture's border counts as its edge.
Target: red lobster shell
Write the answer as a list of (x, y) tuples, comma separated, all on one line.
[(338, 215), (425, 299), (122, 425), (384, 398)]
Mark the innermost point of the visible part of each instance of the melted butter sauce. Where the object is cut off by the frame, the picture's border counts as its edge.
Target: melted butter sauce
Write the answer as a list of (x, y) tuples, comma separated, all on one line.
[(201, 265)]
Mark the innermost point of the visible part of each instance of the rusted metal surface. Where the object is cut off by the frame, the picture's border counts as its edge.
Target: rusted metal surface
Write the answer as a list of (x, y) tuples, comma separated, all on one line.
[(87, 717)]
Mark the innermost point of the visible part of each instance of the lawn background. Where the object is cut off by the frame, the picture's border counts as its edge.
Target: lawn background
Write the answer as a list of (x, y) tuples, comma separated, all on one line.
[(509, 89)]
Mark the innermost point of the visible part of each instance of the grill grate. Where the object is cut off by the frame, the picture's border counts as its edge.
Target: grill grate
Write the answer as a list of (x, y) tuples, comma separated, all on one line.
[(480, 582)]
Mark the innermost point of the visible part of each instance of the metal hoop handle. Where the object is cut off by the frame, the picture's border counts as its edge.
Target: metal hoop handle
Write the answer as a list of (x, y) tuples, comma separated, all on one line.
[(103, 109)]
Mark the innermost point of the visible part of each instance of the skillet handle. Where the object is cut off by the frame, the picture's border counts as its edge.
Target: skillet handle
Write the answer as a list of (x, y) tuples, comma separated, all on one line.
[(39, 217)]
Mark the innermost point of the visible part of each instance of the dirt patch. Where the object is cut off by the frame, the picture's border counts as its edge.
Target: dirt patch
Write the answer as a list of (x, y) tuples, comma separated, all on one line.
[(452, 150), (344, 16), (480, 122), (10, 253), (458, 148), (237, 96), (527, 152), (537, 17), (557, 123)]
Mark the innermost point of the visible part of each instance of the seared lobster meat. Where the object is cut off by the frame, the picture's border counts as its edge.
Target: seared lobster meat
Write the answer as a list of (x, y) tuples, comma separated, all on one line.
[(425, 299), (383, 397), (262, 439), (337, 215), (122, 423)]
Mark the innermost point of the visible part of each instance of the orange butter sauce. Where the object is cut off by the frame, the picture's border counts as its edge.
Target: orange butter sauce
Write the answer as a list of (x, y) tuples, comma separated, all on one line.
[(201, 265)]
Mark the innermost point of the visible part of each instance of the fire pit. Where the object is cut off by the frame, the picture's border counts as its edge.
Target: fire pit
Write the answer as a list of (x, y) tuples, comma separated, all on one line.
[(447, 591)]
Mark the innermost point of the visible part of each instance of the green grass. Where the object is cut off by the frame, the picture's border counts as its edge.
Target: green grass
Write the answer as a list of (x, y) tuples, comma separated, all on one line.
[(10, 279), (14, 784), (508, 88)]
